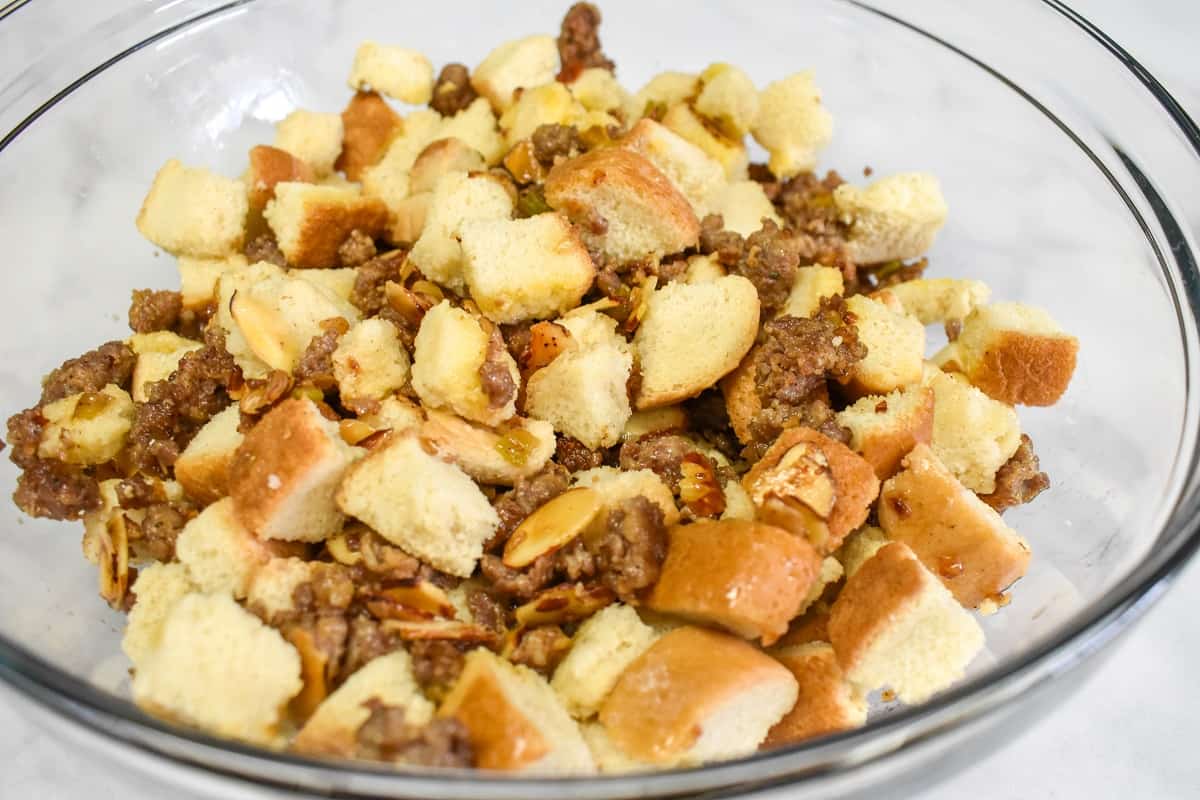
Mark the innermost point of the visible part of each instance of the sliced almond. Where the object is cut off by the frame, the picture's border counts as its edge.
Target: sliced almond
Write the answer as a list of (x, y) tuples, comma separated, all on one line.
[(114, 561), (449, 630), (552, 526), (567, 602), (265, 333), (422, 596)]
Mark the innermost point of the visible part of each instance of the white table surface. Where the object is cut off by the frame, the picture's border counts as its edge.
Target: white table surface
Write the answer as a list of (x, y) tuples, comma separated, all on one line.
[(1131, 732)]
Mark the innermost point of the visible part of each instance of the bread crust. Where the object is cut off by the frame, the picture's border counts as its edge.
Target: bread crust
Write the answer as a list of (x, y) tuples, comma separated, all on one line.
[(1020, 368), (885, 449), (826, 702), (324, 225), (741, 396), (269, 166), (873, 599), (369, 125)]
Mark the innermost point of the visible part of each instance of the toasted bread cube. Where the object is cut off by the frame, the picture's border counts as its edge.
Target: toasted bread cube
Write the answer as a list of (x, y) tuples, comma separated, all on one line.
[(418, 502), (158, 355), (646, 216), (271, 591), (333, 728), (311, 222), (956, 535), (395, 413), (743, 205), (616, 485), (692, 336), (284, 475), (696, 175), (219, 668), (190, 211), (831, 572), (458, 198), (728, 99), (933, 300), (313, 137), (609, 758), (696, 696), (442, 157), (203, 466), (884, 429), (895, 347), (408, 218), (810, 286), (338, 282), (548, 104), (601, 650), (664, 90), (730, 154), (703, 269), (860, 546), (896, 217), (158, 588), (1015, 353), (524, 269), (654, 420), (476, 125), (597, 89), (401, 74), (369, 124), (449, 350), (370, 362), (487, 455), (87, 428), (740, 390), (792, 124), (895, 625), (270, 166), (518, 64), (973, 435), (220, 554), (198, 278), (388, 178), (826, 702)]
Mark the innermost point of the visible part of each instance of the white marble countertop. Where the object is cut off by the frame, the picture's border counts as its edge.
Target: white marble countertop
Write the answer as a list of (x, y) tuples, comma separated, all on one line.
[(1129, 733)]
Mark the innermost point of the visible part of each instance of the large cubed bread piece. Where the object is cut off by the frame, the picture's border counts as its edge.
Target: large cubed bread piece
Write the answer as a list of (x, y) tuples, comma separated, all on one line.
[(477, 127), (548, 104), (338, 282), (524, 269), (368, 125), (625, 207), (608, 757), (403, 74), (271, 594), (449, 350), (696, 175), (397, 414), (956, 535), (895, 625), (895, 347), (747, 577), (387, 178), (517, 64), (1015, 353), (859, 547), (370, 362), (933, 300), (270, 166), (600, 651), (332, 729), (198, 278), (973, 435), (743, 205), (728, 99), (514, 719), (203, 466), (692, 336), (157, 589), (826, 702), (729, 153), (617, 485), (87, 428), (158, 355), (311, 222), (285, 473), (458, 198), (420, 503), (597, 89), (499, 457), (190, 211), (696, 696), (792, 124), (216, 666), (665, 90), (442, 157), (810, 286), (896, 217), (220, 554), (313, 137), (883, 428)]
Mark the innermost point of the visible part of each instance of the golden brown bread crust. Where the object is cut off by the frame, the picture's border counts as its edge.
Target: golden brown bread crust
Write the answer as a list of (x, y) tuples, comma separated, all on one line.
[(872, 599), (822, 706), (269, 166), (501, 736), (205, 480), (369, 124), (1025, 369), (811, 626), (658, 708), (954, 533), (885, 451), (327, 225), (741, 396), (745, 576)]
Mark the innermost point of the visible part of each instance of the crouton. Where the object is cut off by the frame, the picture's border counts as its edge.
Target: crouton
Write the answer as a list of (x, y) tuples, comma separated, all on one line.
[(313, 137), (476, 126), (730, 154), (608, 757), (597, 89), (158, 355), (388, 178), (284, 475), (408, 218), (219, 668), (514, 719), (895, 625), (895, 348), (654, 420), (883, 429), (663, 91), (395, 413), (740, 390), (198, 278), (87, 428), (617, 485), (810, 286), (523, 269), (270, 166), (692, 336), (220, 554), (728, 99), (696, 175), (792, 124), (831, 572), (190, 211), (696, 696), (271, 592), (370, 362), (338, 282), (645, 216), (203, 466), (973, 435), (441, 157), (369, 124), (860, 546), (743, 205), (311, 222), (517, 64), (895, 218), (826, 702), (401, 74), (933, 300), (548, 104), (703, 269), (157, 589), (501, 457), (956, 535), (602, 648), (457, 199), (420, 503)]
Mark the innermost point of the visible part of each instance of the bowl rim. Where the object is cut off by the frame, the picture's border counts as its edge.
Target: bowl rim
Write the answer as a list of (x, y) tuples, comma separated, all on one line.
[(1086, 633)]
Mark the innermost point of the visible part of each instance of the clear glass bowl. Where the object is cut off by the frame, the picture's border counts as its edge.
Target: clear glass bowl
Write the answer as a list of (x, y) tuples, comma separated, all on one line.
[(1073, 181)]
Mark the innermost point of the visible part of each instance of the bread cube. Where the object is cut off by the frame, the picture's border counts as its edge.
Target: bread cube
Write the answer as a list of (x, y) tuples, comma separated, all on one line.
[(388, 178), (488, 455), (883, 429), (441, 157), (190, 211), (420, 503), (397, 414), (616, 485), (792, 124), (313, 137), (696, 696), (664, 90), (973, 435), (158, 356), (402, 74), (338, 282), (692, 336), (271, 592), (198, 278), (284, 475), (602, 648), (220, 554), (609, 758), (158, 588), (826, 702), (895, 625), (311, 222), (728, 99), (548, 104), (203, 466), (895, 347), (810, 286), (523, 269), (896, 217), (87, 428), (408, 218), (476, 126), (597, 89), (934, 300), (703, 269), (729, 153), (860, 546), (368, 125), (743, 205), (954, 533), (458, 198), (517, 64), (270, 166), (738, 504), (219, 668), (370, 362), (449, 350), (696, 175), (625, 207)]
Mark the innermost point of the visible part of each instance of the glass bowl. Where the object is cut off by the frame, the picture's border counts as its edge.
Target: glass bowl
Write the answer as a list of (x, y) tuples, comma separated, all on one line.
[(1073, 180)]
